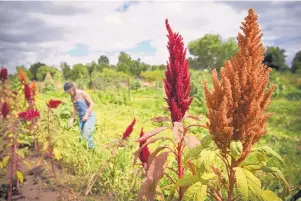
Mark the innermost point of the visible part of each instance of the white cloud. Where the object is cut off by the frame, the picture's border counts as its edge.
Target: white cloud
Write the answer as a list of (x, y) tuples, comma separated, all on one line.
[(105, 30)]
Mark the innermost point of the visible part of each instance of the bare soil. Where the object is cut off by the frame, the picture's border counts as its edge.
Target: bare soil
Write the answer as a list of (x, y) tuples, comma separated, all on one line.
[(40, 184)]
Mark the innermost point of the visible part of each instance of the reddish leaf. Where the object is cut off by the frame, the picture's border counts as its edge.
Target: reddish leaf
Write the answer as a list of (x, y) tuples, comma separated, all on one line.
[(191, 141), (194, 117), (151, 133), (154, 174), (137, 153), (153, 155), (191, 166), (177, 131), (160, 119)]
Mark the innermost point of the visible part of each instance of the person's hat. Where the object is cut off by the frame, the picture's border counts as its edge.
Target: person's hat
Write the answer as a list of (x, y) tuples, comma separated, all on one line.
[(68, 86)]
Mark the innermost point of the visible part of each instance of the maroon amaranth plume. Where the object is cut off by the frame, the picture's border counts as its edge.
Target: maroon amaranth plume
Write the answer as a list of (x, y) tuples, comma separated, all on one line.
[(177, 78), (28, 92), (145, 152), (4, 110), (29, 115), (129, 130), (3, 74), (53, 103)]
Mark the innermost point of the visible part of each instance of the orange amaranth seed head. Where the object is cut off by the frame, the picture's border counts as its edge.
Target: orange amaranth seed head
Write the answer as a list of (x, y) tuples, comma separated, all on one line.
[(22, 76), (237, 102), (34, 87)]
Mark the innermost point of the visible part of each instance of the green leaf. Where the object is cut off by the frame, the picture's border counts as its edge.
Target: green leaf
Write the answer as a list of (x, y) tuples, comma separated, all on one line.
[(236, 149), (20, 153), (208, 176), (269, 151), (187, 180), (278, 174), (27, 164), (5, 161), (23, 142), (261, 157), (20, 176), (206, 141), (206, 157), (57, 154), (193, 153), (268, 195), (196, 192), (241, 183), (254, 186)]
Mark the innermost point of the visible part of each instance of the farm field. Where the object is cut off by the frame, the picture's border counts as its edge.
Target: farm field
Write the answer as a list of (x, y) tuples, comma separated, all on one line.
[(120, 179)]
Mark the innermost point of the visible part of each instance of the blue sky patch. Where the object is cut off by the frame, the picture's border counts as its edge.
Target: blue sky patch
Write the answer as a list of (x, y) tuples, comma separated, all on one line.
[(79, 50), (143, 46), (126, 5)]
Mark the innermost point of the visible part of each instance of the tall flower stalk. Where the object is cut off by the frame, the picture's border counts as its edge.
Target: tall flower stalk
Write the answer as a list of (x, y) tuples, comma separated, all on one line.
[(237, 115), (50, 151), (11, 125), (177, 89)]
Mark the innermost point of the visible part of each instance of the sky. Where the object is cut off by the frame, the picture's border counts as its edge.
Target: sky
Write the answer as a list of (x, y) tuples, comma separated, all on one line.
[(79, 32)]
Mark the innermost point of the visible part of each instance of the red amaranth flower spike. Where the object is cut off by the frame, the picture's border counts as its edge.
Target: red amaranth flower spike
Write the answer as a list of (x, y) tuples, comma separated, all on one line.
[(3, 74), (129, 129), (54, 103), (28, 93), (177, 78), (4, 110), (145, 152), (29, 115)]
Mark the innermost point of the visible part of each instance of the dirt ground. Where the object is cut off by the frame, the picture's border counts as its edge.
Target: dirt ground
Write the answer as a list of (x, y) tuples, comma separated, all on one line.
[(40, 185)]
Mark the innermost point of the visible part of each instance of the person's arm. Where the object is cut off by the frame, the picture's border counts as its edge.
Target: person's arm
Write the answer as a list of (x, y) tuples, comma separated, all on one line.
[(90, 102), (73, 115)]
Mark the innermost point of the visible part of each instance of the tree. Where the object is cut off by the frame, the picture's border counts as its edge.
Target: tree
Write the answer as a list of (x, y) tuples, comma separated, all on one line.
[(43, 70), (296, 65), (79, 71), (34, 69), (210, 51), (274, 57), (124, 62), (66, 70), (103, 59)]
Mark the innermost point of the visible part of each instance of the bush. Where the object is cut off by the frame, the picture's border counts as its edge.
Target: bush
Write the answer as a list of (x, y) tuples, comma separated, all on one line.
[(49, 87), (152, 76), (136, 85), (82, 83), (110, 79)]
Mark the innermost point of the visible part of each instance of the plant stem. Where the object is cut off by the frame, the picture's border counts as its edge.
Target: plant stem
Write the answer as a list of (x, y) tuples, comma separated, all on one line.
[(180, 167), (50, 148), (34, 136), (11, 171), (231, 180)]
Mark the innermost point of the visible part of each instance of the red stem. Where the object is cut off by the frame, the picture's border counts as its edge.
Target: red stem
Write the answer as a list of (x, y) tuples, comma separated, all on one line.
[(180, 167), (231, 180), (11, 171), (50, 149)]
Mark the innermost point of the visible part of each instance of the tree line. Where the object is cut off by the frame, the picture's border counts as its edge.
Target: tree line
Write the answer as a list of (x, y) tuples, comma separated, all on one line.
[(207, 52)]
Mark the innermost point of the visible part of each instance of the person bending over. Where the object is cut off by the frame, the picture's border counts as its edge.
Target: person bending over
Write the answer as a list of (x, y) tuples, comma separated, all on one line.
[(83, 105)]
